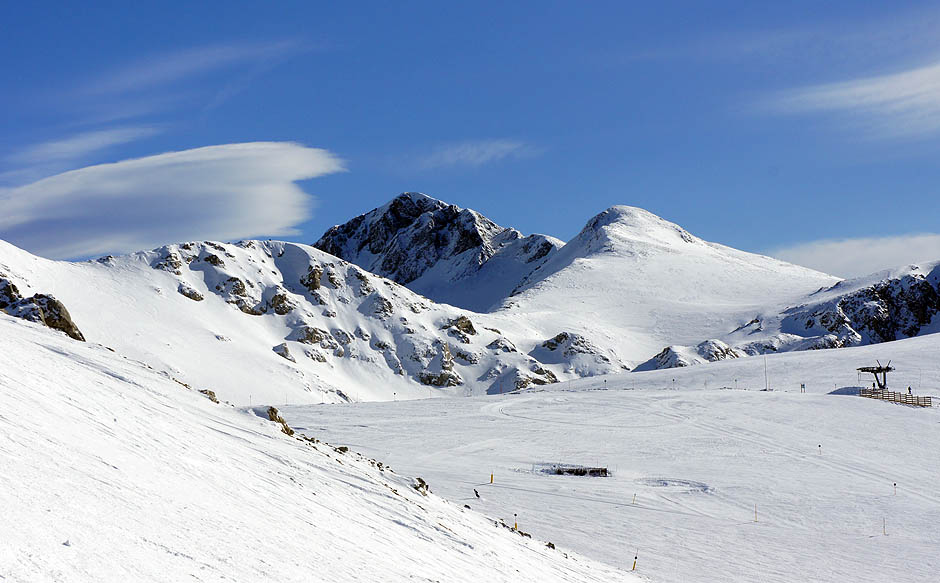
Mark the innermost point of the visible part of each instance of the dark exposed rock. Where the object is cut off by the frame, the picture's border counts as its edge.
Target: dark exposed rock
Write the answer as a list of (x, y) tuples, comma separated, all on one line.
[(365, 287), (341, 336), (233, 286), (9, 294), (189, 292), (310, 335), (210, 395), (414, 233), (281, 304), (502, 344), (378, 306), (249, 309), (41, 308), (543, 249), (445, 378), (334, 279), (463, 324), (213, 259), (708, 351), (311, 280), (171, 262), (275, 416), (55, 316), (284, 352), (466, 357)]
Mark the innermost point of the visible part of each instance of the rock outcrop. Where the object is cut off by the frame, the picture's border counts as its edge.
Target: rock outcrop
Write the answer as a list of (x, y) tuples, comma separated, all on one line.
[(433, 247), (42, 308)]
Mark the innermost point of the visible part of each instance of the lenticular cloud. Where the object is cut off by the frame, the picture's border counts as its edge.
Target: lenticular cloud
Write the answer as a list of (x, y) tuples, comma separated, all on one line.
[(229, 191)]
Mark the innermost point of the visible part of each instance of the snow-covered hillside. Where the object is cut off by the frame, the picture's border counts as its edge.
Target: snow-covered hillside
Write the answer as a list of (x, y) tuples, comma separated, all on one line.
[(444, 252), (882, 307), (633, 282), (699, 448), (631, 289), (113, 472), (276, 322)]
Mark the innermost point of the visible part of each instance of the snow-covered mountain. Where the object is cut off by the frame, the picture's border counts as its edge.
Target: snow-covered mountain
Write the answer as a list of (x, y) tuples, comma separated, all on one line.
[(631, 287), (889, 305), (634, 282), (444, 252), (113, 472), (628, 284), (274, 322)]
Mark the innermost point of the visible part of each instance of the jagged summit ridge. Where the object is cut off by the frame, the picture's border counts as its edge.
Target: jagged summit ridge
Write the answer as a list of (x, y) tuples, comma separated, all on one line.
[(436, 248)]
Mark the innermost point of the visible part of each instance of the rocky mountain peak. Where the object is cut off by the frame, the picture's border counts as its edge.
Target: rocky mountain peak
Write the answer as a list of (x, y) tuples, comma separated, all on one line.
[(431, 245)]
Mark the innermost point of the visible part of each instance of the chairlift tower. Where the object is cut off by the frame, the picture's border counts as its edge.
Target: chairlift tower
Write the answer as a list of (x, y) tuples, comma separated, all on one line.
[(882, 382)]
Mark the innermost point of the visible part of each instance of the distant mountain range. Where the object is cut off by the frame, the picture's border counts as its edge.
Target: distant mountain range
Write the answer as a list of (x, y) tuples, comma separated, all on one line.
[(419, 297)]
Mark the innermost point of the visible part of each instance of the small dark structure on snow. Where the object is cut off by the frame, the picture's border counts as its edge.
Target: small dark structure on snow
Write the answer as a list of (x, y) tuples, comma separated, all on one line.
[(574, 470), (881, 391), (879, 370)]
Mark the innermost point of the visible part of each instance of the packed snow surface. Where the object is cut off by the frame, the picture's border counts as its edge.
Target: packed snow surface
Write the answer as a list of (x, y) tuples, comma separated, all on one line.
[(636, 283), (112, 472), (700, 448)]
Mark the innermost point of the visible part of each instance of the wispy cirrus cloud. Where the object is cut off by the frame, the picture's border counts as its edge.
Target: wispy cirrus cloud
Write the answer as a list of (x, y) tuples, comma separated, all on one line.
[(476, 153), (862, 256), (170, 67), (901, 104), (220, 192), (181, 83), (77, 146)]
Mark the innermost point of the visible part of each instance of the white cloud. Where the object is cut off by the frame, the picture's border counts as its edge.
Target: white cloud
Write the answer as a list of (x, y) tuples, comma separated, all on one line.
[(900, 104), (862, 256), (223, 192), (475, 153), (79, 145), (170, 67)]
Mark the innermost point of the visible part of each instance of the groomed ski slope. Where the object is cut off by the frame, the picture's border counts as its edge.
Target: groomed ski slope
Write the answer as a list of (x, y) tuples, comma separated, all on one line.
[(112, 472), (698, 455)]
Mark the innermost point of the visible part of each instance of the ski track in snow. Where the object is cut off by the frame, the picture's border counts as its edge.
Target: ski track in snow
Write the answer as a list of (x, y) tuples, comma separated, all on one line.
[(113, 472), (697, 459)]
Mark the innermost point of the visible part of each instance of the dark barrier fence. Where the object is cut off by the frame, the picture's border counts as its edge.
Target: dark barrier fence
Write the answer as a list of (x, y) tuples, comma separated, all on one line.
[(903, 398)]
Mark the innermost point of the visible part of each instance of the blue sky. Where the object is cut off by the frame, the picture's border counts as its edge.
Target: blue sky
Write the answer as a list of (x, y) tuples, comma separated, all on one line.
[(806, 129)]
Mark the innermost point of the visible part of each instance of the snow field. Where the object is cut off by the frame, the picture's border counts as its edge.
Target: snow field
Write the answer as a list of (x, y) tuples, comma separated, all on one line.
[(112, 472), (698, 461)]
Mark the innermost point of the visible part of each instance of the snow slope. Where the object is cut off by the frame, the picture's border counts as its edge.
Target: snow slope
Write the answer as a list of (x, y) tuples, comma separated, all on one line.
[(633, 282), (274, 322), (113, 472), (698, 455), (882, 307)]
